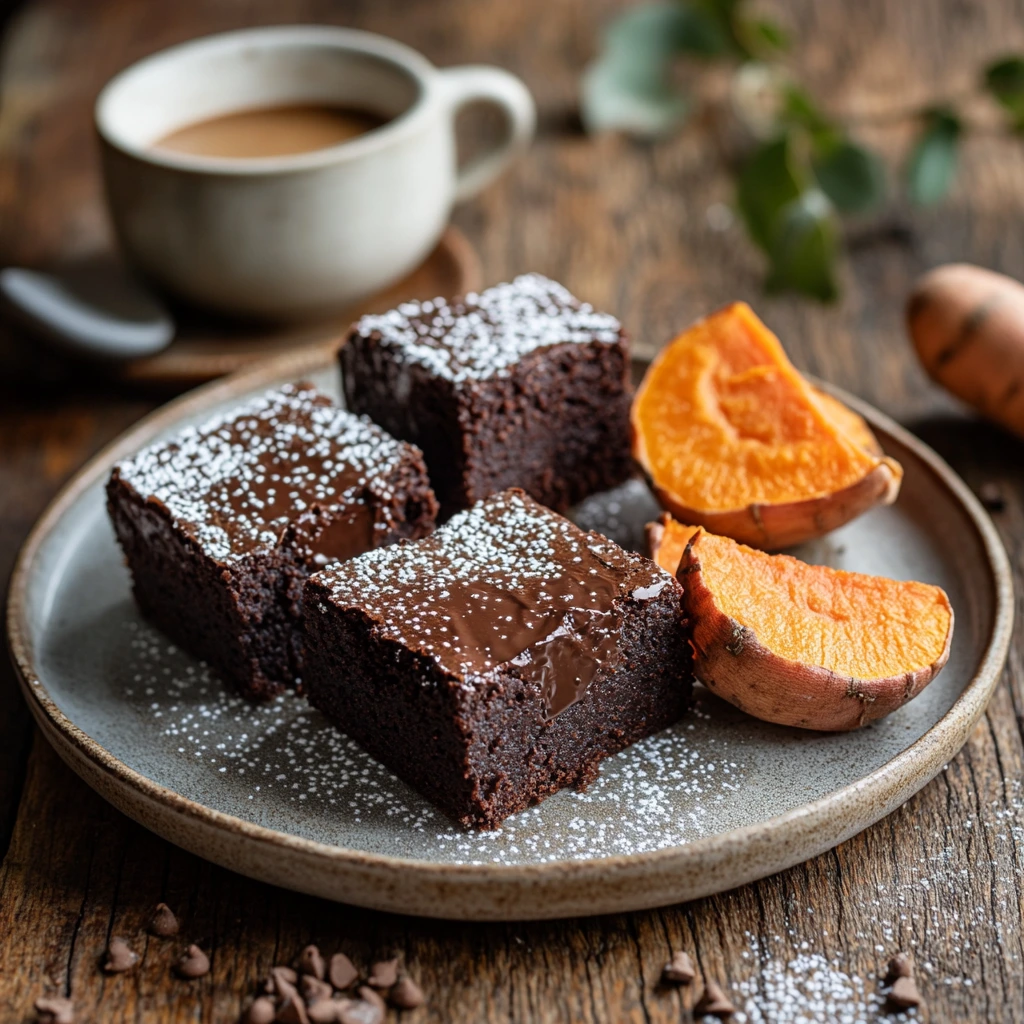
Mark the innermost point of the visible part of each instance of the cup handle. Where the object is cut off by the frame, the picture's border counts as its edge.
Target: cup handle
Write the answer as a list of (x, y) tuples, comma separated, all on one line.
[(477, 82)]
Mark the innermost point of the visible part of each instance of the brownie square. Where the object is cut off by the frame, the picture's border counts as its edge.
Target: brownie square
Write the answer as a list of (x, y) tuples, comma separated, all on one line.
[(222, 524), (499, 659), (521, 385)]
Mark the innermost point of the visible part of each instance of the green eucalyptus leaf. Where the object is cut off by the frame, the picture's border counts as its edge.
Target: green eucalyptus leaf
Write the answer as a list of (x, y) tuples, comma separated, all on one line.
[(851, 176), (932, 164), (799, 109), (805, 248), (769, 181), (764, 36), (1005, 80), (612, 101)]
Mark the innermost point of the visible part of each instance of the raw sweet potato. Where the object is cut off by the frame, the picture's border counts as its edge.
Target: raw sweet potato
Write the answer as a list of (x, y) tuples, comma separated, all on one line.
[(967, 324), (806, 645), (732, 438)]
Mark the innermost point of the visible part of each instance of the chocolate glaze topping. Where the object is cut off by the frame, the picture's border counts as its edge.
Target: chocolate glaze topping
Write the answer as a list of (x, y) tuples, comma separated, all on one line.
[(290, 458), (507, 581), (484, 335)]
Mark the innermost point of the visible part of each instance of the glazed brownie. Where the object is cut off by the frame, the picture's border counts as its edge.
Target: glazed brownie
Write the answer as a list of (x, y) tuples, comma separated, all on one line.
[(500, 659), (521, 385), (222, 524)]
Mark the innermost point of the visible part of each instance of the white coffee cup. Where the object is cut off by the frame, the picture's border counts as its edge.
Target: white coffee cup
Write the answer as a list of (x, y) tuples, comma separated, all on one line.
[(306, 234)]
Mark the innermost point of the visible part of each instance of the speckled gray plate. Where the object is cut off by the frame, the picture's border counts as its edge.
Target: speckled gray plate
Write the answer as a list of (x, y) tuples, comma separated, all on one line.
[(275, 793)]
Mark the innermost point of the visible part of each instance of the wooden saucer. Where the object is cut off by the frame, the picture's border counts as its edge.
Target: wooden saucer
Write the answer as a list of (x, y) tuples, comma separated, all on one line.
[(206, 348)]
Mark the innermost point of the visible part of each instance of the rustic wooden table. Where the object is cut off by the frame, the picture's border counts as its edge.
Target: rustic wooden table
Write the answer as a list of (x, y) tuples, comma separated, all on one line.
[(627, 226)]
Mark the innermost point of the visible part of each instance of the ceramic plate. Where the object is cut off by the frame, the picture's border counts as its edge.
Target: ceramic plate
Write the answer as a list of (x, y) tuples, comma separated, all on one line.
[(275, 793)]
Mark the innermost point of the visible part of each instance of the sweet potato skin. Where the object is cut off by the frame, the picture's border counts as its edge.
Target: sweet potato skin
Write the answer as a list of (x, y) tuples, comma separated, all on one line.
[(731, 662), (772, 527), (967, 326)]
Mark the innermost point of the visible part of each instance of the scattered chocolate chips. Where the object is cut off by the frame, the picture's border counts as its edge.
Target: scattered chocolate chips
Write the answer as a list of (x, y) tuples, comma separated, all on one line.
[(292, 1010), (713, 1001), (314, 989), (54, 1010), (262, 1011), (900, 966), (163, 924), (194, 963), (679, 970), (383, 974), (312, 963), (342, 972), (904, 994), (281, 981), (992, 497), (406, 994), (120, 956)]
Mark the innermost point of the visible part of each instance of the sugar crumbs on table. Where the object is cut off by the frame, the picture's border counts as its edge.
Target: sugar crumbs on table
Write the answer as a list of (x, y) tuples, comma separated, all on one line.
[(406, 994), (163, 924), (904, 994), (120, 956), (54, 1010), (679, 970), (194, 963), (713, 1002), (342, 972), (383, 974), (311, 962)]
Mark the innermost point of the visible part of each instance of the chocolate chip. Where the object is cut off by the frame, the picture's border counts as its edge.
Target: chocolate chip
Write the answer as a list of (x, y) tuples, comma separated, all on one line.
[(314, 990), (904, 994), (292, 1010), (383, 974), (713, 1001), (54, 1010), (120, 957), (406, 994), (282, 980), (679, 970), (163, 923), (324, 1012), (193, 963), (262, 1011), (900, 966), (361, 1011), (342, 971), (992, 497), (311, 962)]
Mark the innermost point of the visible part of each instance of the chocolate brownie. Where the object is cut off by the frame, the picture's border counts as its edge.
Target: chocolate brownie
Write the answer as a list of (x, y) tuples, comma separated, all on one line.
[(222, 524), (521, 385), (499, 659)]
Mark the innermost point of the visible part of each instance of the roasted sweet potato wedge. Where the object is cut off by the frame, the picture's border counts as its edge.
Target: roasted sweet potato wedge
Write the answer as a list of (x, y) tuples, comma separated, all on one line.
[(805, 645), (732, 438)]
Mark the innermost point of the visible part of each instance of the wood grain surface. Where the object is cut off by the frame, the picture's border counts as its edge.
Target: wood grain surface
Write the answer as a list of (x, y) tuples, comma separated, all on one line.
[(638, 229)]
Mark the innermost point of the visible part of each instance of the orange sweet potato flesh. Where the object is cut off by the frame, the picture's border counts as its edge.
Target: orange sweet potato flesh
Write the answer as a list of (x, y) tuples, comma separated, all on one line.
[(734, 439), (806, 645)]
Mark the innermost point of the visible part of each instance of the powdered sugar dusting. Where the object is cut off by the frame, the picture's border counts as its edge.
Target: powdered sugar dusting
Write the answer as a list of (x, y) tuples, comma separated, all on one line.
[(237, 481), (483, 335)]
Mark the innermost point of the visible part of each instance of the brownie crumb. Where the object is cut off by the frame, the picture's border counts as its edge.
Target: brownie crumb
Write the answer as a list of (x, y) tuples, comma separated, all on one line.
[(292, 1010), (359, 1011), (991, 495), (406, 994), (713, 1002), (900, 966), (383, 974), (342, 972), (312, 963), (679, 970), (163, 924), (120, 957), (904, 994), (314, 990), (194, 963), (54, 1010), (281, 980)]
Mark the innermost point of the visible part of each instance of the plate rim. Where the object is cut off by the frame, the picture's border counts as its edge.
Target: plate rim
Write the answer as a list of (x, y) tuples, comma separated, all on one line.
[(529, 887)]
